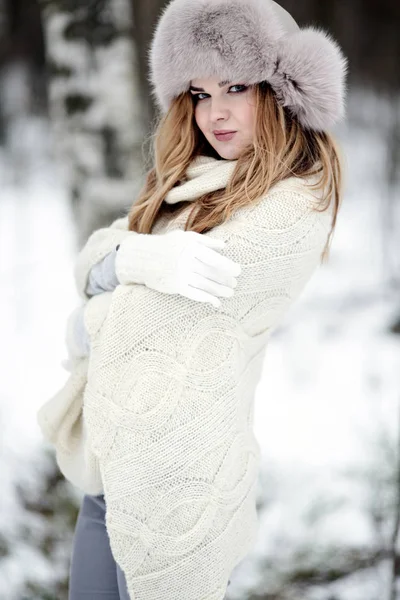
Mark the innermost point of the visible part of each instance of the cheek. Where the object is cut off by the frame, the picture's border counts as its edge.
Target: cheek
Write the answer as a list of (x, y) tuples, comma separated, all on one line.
[(248, 118), (249, 112), (200, 119)]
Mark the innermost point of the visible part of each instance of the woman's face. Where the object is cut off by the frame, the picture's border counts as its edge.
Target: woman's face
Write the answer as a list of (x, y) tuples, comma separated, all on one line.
[(224, 106)]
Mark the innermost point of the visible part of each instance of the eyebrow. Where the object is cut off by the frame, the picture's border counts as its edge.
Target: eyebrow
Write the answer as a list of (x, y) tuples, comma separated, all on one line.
[(198, 89)]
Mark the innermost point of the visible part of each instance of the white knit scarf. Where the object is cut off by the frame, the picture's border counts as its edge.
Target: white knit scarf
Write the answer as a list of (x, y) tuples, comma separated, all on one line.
[(205, 174)]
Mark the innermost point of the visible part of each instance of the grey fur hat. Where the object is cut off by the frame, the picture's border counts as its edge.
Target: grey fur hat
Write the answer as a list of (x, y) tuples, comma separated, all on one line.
[(249, 41)]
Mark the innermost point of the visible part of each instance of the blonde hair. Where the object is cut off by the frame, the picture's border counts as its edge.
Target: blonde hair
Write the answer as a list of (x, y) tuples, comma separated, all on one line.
[(281, 148)]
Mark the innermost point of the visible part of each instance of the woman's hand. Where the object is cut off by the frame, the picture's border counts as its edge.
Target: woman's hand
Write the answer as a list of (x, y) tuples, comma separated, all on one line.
[(178, 262)]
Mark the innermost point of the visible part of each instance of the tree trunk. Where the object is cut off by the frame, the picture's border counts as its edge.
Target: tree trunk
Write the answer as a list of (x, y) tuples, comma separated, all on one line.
[(145, 17), (95, 106)]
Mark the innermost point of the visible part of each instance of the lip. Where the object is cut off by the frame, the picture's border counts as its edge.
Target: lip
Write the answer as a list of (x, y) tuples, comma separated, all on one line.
[(222, 135)]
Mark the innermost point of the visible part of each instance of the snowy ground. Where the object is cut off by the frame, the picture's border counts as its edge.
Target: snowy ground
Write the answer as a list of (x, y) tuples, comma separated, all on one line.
[(329, 391)]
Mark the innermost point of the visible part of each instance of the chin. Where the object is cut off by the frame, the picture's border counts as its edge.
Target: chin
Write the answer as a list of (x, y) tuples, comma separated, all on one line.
[(229, 153)]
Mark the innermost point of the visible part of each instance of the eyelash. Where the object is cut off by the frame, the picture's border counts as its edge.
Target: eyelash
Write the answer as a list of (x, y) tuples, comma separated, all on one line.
[(196, 96)]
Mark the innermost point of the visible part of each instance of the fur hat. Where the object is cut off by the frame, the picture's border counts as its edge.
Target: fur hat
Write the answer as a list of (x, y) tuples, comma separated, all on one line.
[(249, 41)]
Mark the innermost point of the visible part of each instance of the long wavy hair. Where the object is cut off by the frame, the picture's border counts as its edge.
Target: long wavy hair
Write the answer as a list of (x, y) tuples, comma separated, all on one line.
[(280, 148)]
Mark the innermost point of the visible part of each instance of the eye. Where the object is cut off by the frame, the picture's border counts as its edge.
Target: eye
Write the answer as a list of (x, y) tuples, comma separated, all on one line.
[(238, 85), (197, 96), (242, 88)]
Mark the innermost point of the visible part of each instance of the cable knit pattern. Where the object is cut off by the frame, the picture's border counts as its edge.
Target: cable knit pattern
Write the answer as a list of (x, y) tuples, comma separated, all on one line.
[(169, 399), (169, 404)]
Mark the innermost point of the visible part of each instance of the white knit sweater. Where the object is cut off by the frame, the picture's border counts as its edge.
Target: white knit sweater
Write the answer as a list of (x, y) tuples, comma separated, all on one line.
[(168, 402)]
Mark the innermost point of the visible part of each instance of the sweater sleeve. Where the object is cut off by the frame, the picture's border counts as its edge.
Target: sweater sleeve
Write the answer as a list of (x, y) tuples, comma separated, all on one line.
[(283, 238), (102, 276), (61, 417), (98, 246)]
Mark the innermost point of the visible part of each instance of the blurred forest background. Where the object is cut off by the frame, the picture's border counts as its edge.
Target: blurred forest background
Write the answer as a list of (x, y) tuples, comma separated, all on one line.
[(75, 120)]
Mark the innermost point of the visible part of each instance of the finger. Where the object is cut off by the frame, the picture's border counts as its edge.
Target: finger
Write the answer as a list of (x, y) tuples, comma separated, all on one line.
[(214, 259), (217, 276), (200, 296), (207, 285)]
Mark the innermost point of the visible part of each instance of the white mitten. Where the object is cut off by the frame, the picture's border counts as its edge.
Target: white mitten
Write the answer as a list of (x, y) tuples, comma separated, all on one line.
[(76, 337), (177, 262)]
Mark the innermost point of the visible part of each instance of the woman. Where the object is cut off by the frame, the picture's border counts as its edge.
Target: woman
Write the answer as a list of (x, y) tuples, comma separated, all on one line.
[(166, 444)]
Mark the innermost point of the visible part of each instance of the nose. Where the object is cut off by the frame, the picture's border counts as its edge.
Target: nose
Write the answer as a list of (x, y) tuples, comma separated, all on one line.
[(218, 110)]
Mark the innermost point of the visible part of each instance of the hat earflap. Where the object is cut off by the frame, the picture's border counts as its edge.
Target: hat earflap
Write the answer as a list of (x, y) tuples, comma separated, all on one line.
[(309, 78)]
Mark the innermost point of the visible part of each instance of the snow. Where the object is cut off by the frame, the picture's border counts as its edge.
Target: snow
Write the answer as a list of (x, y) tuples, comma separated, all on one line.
[(327, 402), (37, 293)]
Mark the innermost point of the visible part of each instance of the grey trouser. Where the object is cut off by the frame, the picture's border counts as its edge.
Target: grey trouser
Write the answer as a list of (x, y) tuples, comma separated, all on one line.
[(94, 574)]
